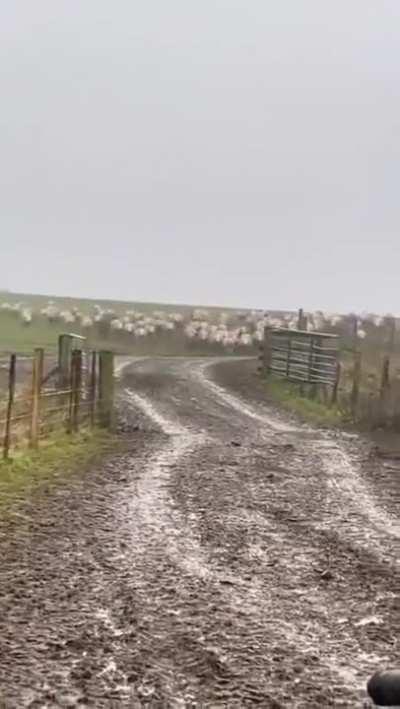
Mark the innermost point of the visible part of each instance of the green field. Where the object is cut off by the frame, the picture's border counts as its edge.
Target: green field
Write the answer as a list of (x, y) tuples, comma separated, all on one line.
[(86, 305), (14, 336)]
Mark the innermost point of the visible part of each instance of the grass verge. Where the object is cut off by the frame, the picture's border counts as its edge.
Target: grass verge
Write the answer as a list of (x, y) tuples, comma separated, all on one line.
[(28, 473), (288, 395)]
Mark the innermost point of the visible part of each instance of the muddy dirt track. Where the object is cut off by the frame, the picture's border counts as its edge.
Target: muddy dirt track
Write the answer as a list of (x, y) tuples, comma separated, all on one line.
[(230, 558)]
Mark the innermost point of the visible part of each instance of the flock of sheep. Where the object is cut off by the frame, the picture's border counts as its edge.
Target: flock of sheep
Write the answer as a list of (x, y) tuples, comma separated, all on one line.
[(230, 329)]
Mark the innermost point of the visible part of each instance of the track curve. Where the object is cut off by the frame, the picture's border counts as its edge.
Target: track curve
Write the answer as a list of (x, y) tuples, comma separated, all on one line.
[(235, 558)]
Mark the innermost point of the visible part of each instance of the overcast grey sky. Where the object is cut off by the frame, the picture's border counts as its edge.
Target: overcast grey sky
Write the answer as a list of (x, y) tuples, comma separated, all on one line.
[(236, 152)]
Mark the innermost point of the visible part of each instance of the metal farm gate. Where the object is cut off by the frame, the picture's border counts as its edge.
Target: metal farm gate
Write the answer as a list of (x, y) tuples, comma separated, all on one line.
[(302, 357)]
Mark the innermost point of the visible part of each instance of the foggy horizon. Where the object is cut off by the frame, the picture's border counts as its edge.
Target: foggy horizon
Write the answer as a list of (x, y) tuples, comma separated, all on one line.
[(229, 154)]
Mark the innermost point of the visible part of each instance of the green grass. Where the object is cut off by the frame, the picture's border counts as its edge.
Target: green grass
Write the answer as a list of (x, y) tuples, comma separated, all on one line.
[(28, 473), (309, 410)]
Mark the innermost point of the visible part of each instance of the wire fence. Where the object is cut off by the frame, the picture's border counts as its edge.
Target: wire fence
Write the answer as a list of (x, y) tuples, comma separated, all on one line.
[(40, 395)]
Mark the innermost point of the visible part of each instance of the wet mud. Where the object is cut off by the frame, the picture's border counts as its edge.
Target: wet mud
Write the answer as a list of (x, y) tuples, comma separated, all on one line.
[(232, 557)]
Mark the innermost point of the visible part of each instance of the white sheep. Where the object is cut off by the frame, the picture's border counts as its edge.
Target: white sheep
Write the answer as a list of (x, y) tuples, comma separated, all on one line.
[(378, 320), (26, 316), (86, 321), (245, 339), (67, 316), (140, 332), (51, 312)]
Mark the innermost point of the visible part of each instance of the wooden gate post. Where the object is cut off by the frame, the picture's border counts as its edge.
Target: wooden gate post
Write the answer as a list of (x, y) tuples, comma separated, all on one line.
[(106, 388), (355, 392), (10, 404), (72, 391), (267, 349), (301, 325), (37, 376), (76, 389), (64, 360)]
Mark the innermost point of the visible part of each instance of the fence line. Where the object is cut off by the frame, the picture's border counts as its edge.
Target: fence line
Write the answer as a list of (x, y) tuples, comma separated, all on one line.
[(70, 395)]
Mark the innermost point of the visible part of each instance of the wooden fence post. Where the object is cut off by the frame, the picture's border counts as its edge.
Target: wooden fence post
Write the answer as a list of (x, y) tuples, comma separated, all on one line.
[(92, 388), (335, 389), (301, 320), (384, 378), (391, 336), (106, 388), (260, 359), (354, 333), (355, 392), (10, 404), (37, 376)]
